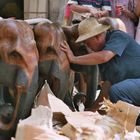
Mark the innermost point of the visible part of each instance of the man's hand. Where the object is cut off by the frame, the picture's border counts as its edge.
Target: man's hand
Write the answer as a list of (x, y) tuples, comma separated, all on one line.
[(95, 12), (65, 47), (126, 12), (129, 14)]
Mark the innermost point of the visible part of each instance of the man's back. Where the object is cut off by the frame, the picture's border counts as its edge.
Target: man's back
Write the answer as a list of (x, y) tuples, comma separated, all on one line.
[(125, 64)]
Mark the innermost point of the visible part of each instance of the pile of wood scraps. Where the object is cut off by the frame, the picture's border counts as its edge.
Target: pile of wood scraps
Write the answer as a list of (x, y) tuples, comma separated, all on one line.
[(60, 122)]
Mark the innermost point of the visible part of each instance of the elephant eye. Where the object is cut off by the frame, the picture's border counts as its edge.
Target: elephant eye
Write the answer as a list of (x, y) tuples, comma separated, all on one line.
[(120, 110), (16, 55), (50, 49)]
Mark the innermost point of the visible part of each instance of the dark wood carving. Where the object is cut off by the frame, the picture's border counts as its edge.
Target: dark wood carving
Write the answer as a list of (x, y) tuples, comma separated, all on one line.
[(87, 75), (18, 73), (53, 63)]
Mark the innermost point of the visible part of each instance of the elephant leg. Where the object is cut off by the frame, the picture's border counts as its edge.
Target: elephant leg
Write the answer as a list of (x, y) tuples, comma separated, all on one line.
[(103, 94), (6, 108), (54, 85), (6, 129), (91, 73), (92, 83), (61, 81), (1, 95), (81, 84), (6, 113)]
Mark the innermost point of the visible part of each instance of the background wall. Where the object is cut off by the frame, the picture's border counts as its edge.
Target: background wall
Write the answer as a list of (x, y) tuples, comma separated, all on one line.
[(51, 9)]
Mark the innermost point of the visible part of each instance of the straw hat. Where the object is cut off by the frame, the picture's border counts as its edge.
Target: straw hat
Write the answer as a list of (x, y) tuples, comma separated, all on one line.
[(90, 27)]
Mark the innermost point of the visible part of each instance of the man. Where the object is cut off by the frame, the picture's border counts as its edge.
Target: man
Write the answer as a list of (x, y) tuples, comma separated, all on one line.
[(118, 56), (94, 8)]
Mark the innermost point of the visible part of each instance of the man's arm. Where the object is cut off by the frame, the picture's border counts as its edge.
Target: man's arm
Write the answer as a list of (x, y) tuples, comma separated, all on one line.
[(93, 11), (80, 8), (93, 58), (89, 59), (129, 14)]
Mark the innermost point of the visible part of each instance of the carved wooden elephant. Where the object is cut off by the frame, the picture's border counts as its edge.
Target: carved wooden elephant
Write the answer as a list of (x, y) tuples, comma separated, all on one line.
[(53, 63), (88, 74), (18, 73)]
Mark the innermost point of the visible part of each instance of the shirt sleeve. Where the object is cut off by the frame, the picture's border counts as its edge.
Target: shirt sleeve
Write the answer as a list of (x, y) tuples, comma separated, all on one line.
[(106, 5), (72, 2), (117, 42)]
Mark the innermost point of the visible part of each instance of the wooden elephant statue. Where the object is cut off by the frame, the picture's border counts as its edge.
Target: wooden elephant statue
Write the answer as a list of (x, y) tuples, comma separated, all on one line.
[(88, 75), (53, 63), (18, 73)]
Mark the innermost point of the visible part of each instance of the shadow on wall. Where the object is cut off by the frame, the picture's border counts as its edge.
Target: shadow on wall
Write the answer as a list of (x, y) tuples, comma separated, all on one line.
[(12, 8)]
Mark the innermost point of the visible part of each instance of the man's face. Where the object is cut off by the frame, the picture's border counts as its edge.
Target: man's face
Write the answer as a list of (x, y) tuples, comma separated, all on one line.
[(96, 43)]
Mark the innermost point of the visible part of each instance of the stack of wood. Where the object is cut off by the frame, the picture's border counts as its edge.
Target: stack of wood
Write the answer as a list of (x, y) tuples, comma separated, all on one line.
[(60, 122)]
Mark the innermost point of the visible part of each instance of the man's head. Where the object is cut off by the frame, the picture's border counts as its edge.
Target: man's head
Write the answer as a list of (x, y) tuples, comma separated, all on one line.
[(92, 33)]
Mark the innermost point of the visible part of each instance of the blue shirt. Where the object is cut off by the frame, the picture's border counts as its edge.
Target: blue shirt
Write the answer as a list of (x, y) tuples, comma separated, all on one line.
[(126, 63)]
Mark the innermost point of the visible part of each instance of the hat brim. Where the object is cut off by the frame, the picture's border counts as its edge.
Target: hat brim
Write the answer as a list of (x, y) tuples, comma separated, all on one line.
[(99, 30)]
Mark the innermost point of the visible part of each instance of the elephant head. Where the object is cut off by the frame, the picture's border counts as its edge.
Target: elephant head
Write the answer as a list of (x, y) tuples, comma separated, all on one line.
[(18, 72)]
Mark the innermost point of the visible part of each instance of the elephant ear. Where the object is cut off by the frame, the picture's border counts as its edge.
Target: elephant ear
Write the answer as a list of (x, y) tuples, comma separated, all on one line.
[(71, 33)]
